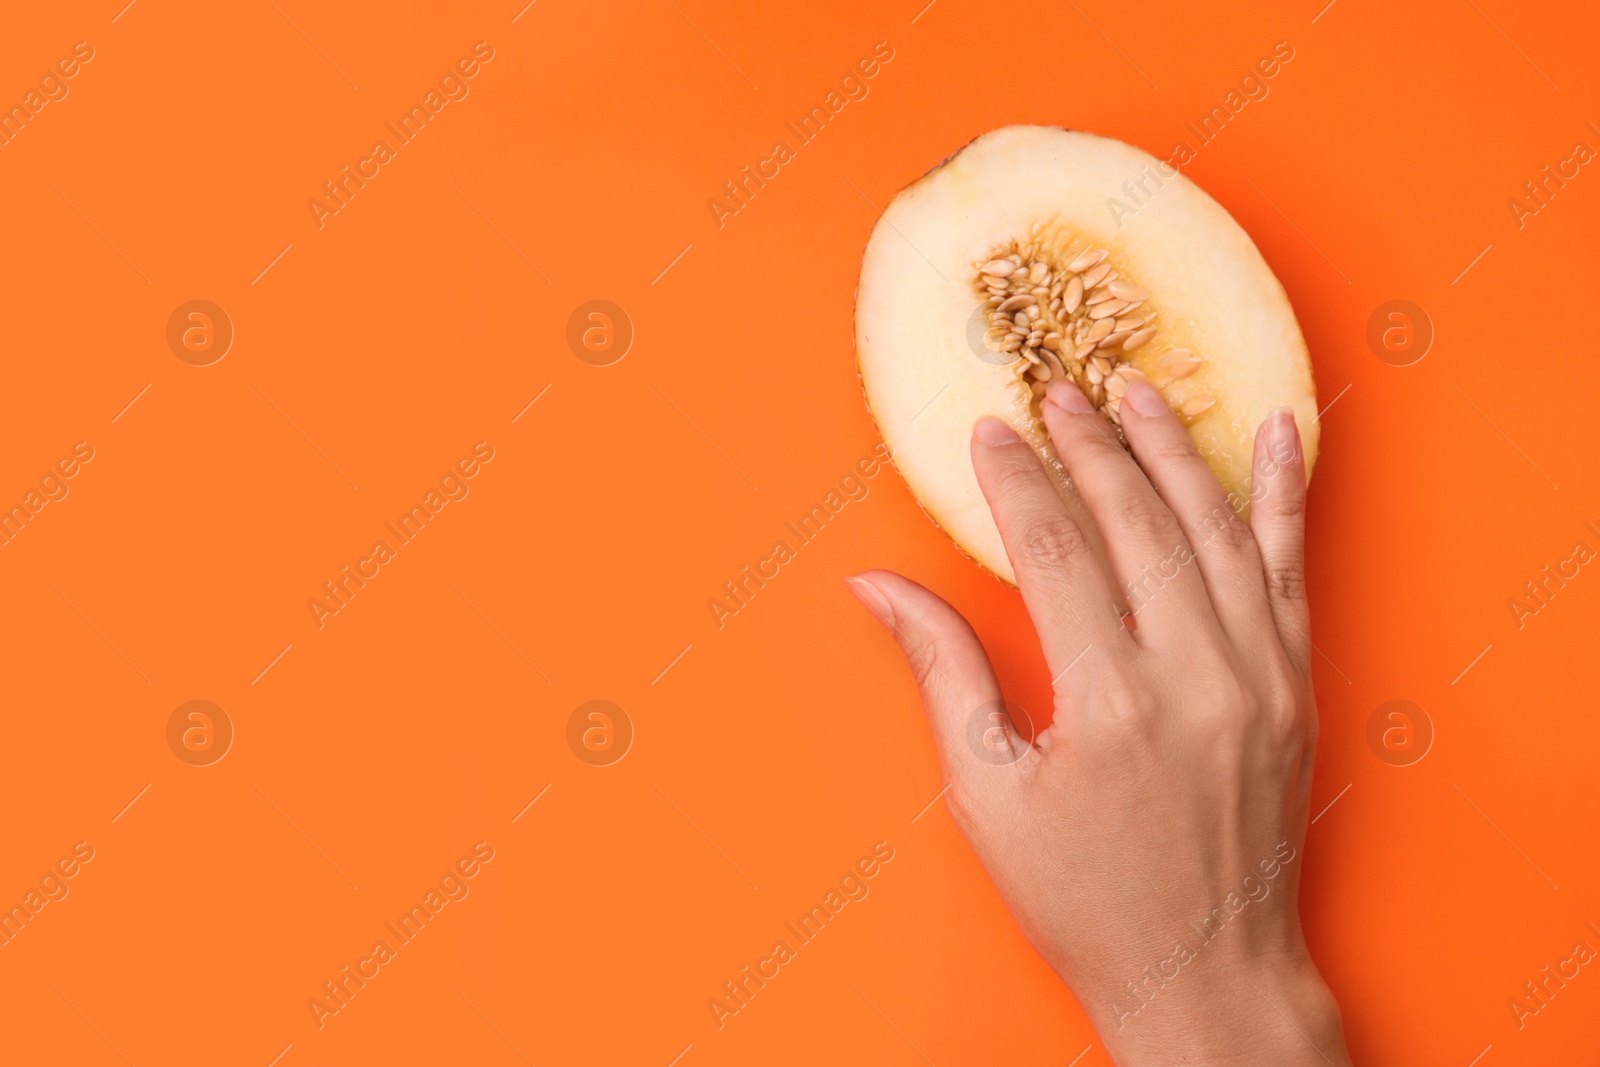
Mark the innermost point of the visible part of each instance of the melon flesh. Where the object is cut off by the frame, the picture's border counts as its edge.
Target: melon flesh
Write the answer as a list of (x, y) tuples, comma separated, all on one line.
[(920, 311)]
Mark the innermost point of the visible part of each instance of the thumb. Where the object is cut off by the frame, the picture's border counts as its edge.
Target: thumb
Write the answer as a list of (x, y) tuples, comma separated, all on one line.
[(980, 746)]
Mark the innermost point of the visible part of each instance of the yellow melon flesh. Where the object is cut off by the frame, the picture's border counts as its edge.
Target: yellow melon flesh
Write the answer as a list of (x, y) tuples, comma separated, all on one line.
[(920, 312)]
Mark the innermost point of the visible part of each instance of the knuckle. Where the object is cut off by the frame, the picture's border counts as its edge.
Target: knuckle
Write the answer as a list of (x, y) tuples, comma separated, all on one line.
[(1053, 541), (1282, 707), (1086, 437), (1146, 518), (1287, 719), (1227, 706), (1218, 705), (1101, 443), (1013, 476), (923, 656), (1133, 702), (1289, 502), (1177, 450), (1222, 529), (1286, 580)]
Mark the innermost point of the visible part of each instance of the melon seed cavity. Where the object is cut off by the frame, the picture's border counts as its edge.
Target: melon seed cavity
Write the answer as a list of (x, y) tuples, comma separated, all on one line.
[(1072, 315)]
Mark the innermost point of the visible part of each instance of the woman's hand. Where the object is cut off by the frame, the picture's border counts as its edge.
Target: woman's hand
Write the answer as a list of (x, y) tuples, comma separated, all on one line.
[(1149, 842)]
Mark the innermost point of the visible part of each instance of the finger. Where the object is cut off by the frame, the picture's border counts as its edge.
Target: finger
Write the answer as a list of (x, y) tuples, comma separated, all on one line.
[(1062, 582), (1278, 520), (981, 750), (1229, 561), (1149, 555)]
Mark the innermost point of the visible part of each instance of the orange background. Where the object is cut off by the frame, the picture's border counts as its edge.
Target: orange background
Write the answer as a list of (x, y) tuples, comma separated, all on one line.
[(429, 712)]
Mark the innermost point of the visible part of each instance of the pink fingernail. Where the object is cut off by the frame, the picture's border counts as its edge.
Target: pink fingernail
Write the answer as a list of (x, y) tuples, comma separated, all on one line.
[(1142, 397), (1283, 436), (1068, 397), (993, 432), (872, 599)]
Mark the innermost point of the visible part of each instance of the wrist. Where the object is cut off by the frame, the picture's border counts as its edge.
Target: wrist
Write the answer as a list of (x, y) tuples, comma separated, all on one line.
[(1229, 1014)]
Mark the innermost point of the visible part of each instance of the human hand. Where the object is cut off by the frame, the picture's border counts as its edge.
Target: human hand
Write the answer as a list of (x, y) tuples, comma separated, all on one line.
[(1149, 842)]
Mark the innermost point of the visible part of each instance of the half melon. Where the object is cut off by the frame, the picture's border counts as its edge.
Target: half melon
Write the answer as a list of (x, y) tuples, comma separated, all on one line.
[(1037, 253)]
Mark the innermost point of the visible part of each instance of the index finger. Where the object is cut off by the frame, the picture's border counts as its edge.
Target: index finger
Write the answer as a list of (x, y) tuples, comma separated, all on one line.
[(1063, 584)]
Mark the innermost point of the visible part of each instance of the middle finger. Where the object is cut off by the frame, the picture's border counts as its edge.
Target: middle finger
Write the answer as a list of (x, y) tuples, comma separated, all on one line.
[(1151, 560)]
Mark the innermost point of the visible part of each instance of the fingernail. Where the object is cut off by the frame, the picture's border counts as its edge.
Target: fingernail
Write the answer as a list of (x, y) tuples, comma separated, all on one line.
[(1142, 397), (1282, 433), (992, 432), (873, 600), (1068, 397)]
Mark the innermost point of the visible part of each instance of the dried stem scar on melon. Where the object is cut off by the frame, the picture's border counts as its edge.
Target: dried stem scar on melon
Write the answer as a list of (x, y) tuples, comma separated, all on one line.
[(1006, 267)]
